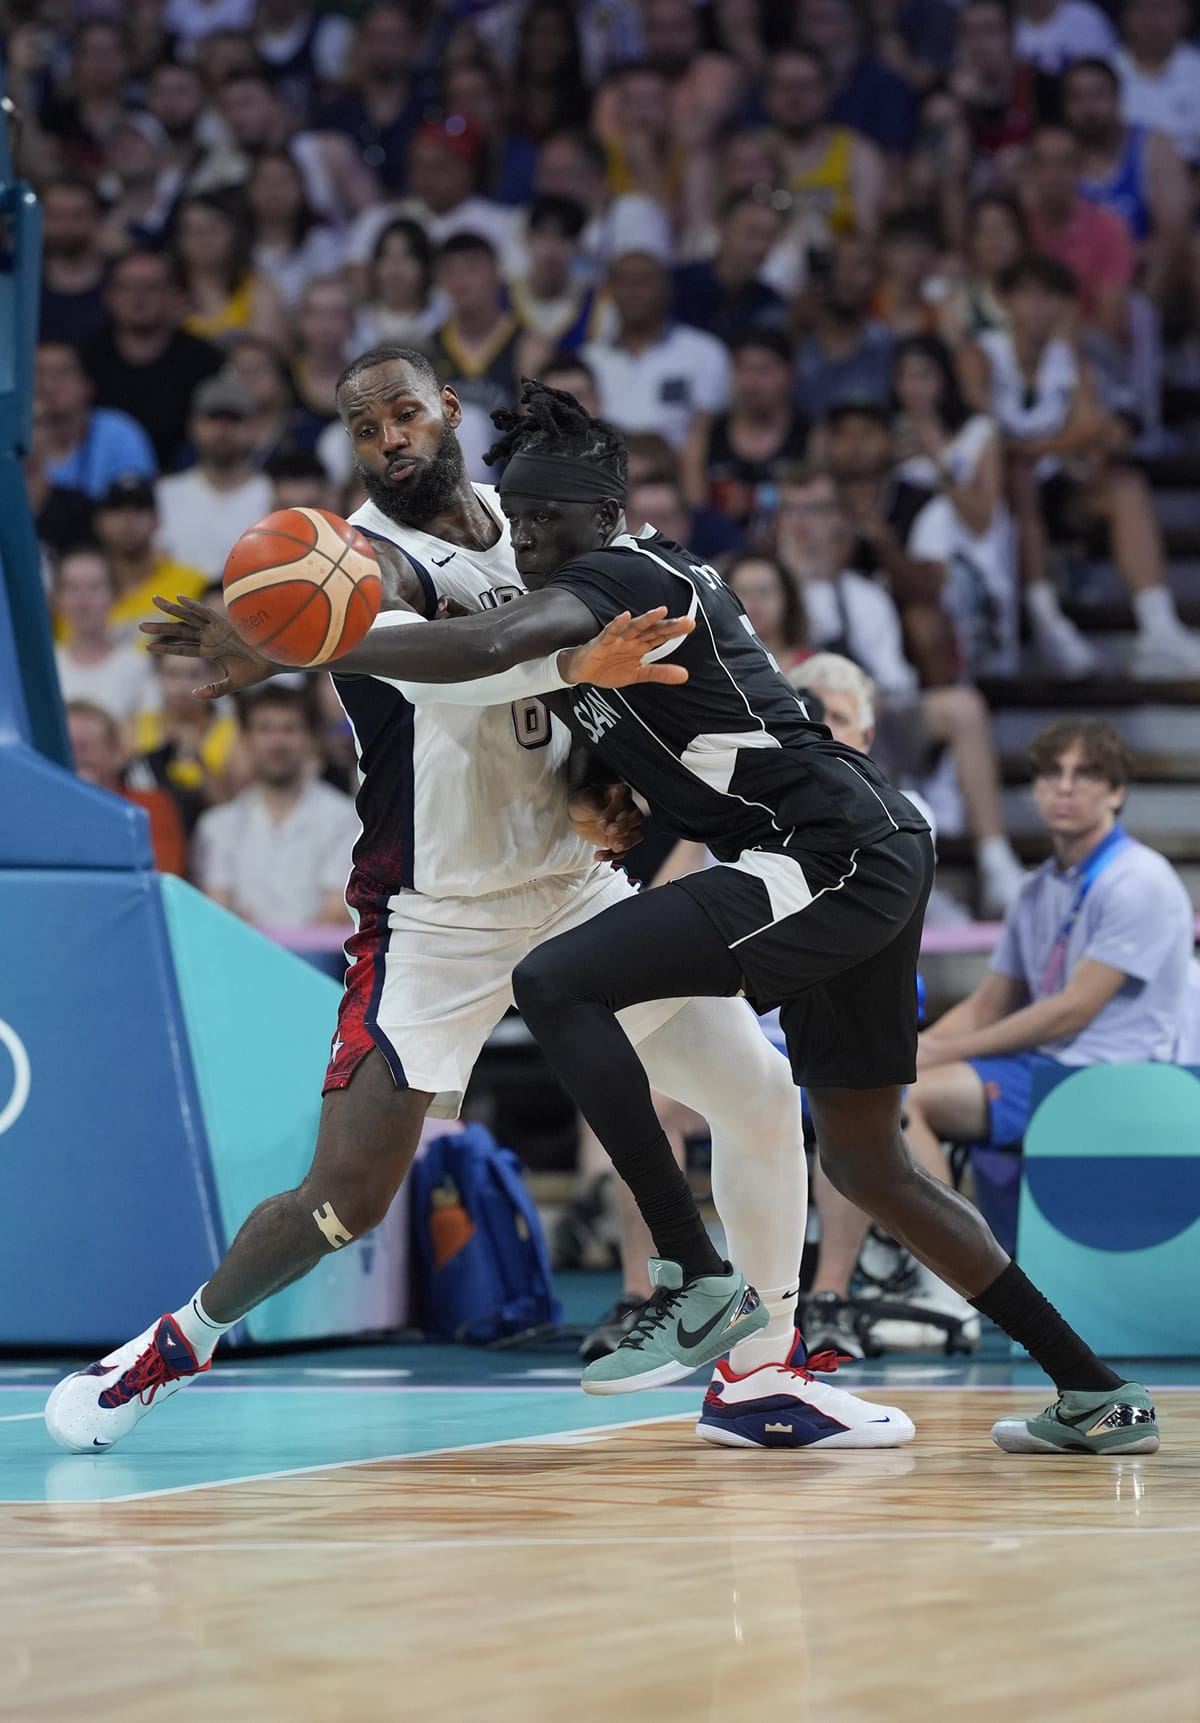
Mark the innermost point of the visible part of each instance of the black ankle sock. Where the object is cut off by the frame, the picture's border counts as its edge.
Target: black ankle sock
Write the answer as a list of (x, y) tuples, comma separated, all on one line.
[(1013, 1303), (668, 1208), (691, 1248)]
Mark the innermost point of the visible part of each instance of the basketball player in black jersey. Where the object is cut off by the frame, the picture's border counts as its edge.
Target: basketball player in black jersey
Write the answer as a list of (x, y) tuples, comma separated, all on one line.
[(816, 906)]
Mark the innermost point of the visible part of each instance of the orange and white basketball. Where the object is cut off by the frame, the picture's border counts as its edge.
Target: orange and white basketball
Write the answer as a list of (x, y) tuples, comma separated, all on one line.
[(302, 586)]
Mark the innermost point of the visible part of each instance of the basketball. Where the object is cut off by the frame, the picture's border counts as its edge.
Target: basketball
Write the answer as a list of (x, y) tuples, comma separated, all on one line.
[(302, 586)]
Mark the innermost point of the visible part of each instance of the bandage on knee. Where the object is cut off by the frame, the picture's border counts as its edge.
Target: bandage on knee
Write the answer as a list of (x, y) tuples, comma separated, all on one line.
[(331, 1226)]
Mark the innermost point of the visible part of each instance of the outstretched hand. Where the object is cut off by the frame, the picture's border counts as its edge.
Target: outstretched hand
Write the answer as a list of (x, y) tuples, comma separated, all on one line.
[(195, 631), (616, 657)]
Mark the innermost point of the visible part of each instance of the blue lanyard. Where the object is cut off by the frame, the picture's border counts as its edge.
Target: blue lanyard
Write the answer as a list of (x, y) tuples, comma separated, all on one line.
[(1090, 869)]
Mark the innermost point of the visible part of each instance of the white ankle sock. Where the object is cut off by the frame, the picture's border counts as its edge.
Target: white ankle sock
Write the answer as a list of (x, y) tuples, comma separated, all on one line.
[(1041, 601), (1155, 611), (772, 1344), (199, 1329)]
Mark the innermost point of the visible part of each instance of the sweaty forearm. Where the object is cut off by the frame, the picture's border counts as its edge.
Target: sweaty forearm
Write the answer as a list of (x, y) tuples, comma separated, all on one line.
[(453, 651), (523, 682), (466, 648)]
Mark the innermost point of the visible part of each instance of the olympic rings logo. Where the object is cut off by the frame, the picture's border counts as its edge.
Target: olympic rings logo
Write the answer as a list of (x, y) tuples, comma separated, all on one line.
[(15, 1105)]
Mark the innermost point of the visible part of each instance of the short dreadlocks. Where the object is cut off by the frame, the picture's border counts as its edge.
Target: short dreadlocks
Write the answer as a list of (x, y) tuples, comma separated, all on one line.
[(554, 423)]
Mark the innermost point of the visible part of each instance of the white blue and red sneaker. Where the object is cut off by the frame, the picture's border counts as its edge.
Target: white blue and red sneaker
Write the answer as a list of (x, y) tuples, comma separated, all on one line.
[(784, 1406), (93, 1408)]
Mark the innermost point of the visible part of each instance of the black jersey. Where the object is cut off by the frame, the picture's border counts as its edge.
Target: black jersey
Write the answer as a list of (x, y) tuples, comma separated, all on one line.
[(742, 488), (731, 758)]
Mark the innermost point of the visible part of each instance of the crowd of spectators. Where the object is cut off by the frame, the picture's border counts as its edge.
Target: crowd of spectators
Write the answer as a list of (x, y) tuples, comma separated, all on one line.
[(882, 292)]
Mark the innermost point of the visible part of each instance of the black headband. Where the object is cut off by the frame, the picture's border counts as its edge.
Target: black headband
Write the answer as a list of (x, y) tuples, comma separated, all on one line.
[(560, 479)]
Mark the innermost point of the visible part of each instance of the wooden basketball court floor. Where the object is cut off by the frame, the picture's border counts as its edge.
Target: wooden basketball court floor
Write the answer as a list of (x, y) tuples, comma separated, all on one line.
[(424, 1533)]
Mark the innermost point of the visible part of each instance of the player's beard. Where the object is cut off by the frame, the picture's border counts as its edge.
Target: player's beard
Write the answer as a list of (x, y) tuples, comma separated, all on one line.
[(431, 490)]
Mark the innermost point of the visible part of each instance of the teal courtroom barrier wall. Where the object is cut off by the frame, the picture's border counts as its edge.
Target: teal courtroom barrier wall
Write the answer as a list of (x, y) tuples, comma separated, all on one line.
[(1110, 1207), (259, 1022), (160, 1074)]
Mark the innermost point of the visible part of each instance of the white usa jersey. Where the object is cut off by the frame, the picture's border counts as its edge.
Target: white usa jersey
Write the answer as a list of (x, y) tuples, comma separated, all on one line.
[(457, 801)]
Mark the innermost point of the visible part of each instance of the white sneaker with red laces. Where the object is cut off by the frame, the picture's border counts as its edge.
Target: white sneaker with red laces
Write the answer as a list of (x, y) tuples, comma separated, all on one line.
[(784, 1406), (93, 1408)]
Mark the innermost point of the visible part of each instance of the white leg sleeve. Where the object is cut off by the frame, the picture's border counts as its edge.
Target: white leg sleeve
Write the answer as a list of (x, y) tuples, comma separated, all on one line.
[(713, 1057)]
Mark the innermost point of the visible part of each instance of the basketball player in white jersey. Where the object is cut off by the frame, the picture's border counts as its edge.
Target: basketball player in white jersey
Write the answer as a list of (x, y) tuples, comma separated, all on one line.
[(467, 861)]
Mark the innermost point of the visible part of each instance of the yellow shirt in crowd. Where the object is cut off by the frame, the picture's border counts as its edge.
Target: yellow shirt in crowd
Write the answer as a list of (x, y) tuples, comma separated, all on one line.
[(167, 578), (229, 318), (137, 605), (827, 186), (215, 749)]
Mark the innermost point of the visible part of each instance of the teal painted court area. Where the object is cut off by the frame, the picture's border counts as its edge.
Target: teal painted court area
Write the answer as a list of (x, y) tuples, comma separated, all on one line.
[(336, 1407), (238, 1429)]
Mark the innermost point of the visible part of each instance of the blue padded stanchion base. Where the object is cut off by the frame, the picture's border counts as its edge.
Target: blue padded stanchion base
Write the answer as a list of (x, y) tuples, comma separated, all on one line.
[(109, 1205), (1110, 1207), (54, 820)]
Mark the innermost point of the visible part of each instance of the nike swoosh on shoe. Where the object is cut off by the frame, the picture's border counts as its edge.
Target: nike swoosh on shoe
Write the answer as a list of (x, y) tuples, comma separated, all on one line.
[(693, 1338)]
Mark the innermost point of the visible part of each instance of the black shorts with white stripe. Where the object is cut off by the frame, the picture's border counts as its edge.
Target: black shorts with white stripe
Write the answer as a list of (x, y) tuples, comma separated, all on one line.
[(833, 940)]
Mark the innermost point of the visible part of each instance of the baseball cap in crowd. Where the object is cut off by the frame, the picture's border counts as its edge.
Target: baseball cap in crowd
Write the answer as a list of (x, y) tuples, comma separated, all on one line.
[(130, 491), (636, 223), (456, 134), (223, 396)]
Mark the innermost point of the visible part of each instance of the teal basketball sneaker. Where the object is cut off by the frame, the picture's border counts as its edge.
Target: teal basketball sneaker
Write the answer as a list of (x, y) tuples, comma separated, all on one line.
[(685, 1325), (1100, 1421)]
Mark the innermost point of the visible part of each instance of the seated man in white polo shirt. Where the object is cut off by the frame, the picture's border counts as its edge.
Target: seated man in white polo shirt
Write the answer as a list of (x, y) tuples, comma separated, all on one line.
[(654, 374), (278, 854), (1092, 967)]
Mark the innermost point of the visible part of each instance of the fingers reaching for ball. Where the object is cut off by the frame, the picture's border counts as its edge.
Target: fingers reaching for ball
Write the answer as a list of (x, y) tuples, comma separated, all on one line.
[(303, 586)]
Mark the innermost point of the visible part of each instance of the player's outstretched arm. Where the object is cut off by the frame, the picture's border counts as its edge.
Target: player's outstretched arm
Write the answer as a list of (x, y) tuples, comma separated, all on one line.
[(466, 647), (540, 624), (615, 659), (474, 653)]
